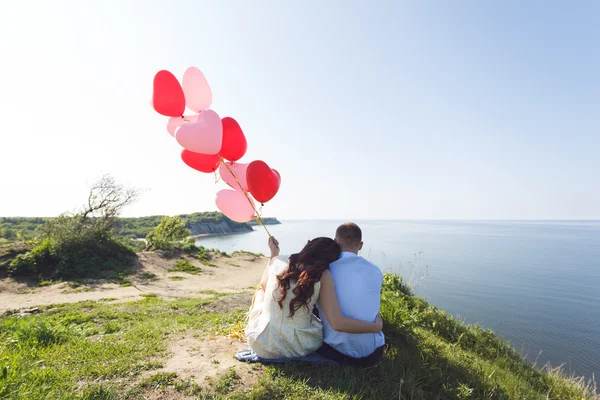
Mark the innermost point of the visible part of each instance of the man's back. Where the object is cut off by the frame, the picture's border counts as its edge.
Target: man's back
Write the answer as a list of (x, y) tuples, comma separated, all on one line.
[(358, 287)]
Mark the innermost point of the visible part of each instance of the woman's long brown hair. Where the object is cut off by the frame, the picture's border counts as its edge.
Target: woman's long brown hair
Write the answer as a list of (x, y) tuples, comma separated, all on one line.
[(306, 269)]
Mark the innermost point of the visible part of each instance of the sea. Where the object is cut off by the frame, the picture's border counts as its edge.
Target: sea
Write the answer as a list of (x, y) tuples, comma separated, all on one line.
[(536, 283)]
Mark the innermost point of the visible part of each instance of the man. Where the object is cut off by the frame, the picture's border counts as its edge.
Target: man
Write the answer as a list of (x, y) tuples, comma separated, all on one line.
[(358, 288)]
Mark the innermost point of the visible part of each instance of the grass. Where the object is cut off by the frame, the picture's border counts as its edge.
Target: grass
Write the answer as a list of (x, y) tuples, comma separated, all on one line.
[(209, 264), (247, 253), (185, 266), (234, 265), (93, 349), (78, 290), (98, 350), (147, 275), (226, 382), (177, 278), (429, 355), (120, 278)]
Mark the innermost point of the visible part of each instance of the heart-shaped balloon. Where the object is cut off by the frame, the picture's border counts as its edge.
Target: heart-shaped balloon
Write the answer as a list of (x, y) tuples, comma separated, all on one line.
[(176, 122), (278, 175), (263, 182), (204, 136), (235, 205), (202, 162), (167, 95), (198, 95), (234, 142), (239, 170)]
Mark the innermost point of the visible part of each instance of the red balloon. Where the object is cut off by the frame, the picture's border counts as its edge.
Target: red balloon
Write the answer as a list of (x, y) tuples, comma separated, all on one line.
[(263, 182), (167, 97), (202, 162), (234, 142)]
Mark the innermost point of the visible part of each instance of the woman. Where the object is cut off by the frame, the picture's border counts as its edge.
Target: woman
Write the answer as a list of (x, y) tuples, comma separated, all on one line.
[(281, 323)]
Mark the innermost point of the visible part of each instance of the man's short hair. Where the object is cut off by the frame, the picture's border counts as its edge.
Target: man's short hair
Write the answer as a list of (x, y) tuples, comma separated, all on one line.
[(349, 234)]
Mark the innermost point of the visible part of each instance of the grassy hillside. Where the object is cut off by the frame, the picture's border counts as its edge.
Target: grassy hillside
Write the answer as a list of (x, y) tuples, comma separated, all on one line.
[(22, 229), (104, 351), (139, 227), (267, 221)]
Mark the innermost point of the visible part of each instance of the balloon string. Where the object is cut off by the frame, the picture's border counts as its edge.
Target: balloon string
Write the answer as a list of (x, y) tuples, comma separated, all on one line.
[(258, 216)]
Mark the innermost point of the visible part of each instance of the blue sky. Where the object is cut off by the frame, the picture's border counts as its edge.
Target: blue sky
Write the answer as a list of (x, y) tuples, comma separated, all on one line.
[(468, 109)]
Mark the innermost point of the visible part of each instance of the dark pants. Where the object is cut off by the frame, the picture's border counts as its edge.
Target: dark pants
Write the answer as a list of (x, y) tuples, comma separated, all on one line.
[(372, 359), (329, 352)]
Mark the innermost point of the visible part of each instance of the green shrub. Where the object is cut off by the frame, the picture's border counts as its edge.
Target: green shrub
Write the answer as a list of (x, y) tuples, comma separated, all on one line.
[(75, 255), (82, 244), (168, 235), (185, 266)]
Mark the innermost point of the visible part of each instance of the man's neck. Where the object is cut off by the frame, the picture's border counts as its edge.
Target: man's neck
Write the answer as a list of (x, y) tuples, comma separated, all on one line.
[(350, 251)]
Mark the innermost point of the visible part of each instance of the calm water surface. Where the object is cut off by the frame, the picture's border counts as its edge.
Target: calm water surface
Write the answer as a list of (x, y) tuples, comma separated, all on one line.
[(537, 283)]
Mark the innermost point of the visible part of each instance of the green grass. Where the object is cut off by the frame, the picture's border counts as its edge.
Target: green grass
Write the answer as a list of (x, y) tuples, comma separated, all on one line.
[(247, 253), (78, 290), (429, 355), (185, 266), (177, 278), (94, 349), (98, 350), (234, 265), (147, 275), (120, 278), (209, 264), (226, 382)]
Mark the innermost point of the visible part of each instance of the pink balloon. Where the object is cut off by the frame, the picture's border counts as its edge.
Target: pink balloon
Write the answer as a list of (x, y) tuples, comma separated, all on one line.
[(176, 122), (239, 169), (198, 95), (234, 205), (204, 136)]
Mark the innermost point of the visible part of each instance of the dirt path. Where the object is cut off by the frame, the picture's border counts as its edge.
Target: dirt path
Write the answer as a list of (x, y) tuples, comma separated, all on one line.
[(234, 274)]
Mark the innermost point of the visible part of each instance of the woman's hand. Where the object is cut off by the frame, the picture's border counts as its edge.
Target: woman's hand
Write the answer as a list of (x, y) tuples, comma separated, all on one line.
[(379, 322), (338, 321), (274, 247)]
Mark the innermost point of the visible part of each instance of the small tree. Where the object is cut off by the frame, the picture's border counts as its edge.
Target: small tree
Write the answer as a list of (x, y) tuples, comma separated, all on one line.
[(167, 235), (84, 243), (106, 201)]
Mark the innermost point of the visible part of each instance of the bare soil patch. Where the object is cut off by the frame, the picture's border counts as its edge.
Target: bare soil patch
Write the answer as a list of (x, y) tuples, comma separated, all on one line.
[(151, 277)]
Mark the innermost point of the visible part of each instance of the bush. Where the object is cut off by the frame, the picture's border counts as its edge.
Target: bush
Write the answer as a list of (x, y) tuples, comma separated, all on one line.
[(83, 244), (77, 256), (185, 266), (168, 235)]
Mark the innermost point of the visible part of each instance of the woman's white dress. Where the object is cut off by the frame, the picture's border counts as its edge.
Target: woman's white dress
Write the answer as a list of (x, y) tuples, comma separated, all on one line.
[(272, 333)]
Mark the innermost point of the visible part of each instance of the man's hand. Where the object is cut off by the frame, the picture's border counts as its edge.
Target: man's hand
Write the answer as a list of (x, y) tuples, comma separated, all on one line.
[(379, 321), (274, 247)]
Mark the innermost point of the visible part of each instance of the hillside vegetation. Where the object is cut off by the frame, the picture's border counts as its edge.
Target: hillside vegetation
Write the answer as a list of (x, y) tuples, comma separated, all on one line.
[(23, 229), (99, 350)]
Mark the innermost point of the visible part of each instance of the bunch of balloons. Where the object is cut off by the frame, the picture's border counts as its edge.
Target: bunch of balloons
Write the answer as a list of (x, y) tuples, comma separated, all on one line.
[(212, 144)]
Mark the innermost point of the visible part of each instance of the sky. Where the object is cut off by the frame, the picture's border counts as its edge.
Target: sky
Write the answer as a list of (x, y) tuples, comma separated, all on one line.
[(369, 110)]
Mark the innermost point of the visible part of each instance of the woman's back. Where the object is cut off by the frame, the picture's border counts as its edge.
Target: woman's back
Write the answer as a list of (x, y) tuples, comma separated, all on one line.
[(272, 332)]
